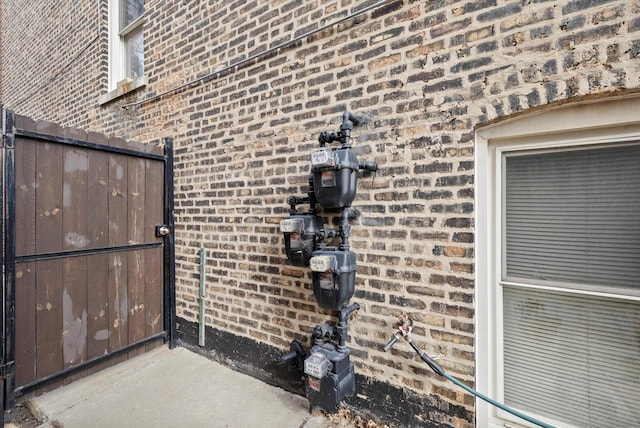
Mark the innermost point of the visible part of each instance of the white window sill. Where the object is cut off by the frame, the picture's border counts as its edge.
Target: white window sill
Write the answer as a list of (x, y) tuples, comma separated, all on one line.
[(124, 87)]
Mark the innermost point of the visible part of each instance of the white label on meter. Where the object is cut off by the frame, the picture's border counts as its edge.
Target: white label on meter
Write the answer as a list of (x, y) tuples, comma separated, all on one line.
[(321, 263), (290, 225), (313, 383), (323, 158), (326, 281), (296, 241), (328, 179)]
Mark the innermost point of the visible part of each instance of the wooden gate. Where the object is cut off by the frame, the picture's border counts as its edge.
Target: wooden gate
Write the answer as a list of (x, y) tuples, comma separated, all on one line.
[(88, 268)]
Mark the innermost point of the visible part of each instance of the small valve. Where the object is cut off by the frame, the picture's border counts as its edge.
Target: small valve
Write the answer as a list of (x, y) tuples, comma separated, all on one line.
[(405, 326)]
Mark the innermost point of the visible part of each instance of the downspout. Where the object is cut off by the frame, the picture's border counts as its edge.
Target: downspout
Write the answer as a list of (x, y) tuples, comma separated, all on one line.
[(201, 326)]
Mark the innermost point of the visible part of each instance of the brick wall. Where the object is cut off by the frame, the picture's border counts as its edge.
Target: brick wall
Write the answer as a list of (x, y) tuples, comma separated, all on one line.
[(55, 59), (423, 74)]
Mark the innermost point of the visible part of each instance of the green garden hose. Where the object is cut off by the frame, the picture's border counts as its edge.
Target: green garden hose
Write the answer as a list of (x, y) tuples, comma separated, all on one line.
[(436, 368), (405, 331)]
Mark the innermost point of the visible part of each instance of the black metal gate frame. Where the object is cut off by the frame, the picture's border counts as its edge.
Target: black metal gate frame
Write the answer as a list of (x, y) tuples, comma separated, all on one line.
[(8, 391)]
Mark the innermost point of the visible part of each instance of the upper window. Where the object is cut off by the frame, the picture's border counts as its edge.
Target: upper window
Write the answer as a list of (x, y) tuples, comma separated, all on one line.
[(558, 266), (131, 36), (126, 60)]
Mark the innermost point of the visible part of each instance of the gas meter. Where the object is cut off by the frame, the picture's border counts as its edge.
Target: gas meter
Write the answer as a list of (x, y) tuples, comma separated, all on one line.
[(329, 377), (300, 237), (334, 277), (334, 172), (328, 369), (334, 177)]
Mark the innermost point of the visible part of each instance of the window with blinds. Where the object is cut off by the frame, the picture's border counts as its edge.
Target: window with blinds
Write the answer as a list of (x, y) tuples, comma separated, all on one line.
[(571, 285)]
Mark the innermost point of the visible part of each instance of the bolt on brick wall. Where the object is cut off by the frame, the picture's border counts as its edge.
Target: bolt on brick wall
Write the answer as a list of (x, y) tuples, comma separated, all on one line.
[(421, 74)]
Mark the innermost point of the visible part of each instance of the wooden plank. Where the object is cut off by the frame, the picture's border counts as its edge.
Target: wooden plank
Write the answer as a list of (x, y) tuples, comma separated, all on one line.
[(49, 198), (118, 262), (74, 311), (98, 199), (25, 196), (136, 297), (118, 301), (74, 315), (154, 213), (98, 305), (154, 199), (136, 201), (154, 291), (118, 216), (25, 327), (135, 223), (74, 199), (48, 317)]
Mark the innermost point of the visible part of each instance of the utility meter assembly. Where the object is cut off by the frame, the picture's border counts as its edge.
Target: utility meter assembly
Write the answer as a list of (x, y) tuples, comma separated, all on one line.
[(329, 373)]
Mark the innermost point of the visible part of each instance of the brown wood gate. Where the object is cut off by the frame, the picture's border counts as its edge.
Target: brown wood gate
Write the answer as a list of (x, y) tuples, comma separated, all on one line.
[(88, 269)]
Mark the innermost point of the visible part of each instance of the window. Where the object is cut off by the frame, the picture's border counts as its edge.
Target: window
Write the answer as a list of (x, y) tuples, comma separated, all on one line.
[(130, 33), (559, 287), (126, 44)]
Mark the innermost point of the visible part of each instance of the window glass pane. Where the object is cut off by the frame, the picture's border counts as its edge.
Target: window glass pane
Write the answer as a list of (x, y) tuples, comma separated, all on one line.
[(573, 216), (134, 54), (572, 358), (130, 10)]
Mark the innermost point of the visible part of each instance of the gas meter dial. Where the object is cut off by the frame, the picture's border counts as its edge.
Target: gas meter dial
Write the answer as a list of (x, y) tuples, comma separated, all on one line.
[(290, 226), (317, 365), (322, 263), (323, 158)]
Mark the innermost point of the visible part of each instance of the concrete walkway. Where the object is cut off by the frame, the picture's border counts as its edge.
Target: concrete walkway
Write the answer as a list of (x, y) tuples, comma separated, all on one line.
[(174, 388)]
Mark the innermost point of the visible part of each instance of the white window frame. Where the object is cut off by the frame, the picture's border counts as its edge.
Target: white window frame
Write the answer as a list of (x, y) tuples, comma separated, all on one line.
[(612, 121), (118, 83)]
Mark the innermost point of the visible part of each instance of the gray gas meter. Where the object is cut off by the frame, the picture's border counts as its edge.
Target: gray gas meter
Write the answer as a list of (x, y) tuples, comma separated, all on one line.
[(335, 175), (300, 237), (334, 172), (329, 377), (334, 276)]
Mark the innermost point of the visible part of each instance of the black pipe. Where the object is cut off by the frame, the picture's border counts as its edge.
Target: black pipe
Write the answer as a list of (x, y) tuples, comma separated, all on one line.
[(341, 328), (311, 193), (345, 227), (368, 166), (348, 122)]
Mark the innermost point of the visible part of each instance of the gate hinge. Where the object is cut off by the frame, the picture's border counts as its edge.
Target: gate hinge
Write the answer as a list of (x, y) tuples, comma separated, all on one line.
[(6, 370)]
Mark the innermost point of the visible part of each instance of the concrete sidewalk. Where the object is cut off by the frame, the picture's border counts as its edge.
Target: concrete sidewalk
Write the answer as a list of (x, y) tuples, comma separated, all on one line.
[(174, 388)]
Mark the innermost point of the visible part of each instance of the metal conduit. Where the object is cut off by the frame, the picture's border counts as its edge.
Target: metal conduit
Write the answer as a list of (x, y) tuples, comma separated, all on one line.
[(256, 57)]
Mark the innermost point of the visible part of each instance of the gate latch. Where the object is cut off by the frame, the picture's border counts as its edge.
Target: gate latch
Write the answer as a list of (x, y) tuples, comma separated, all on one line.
[(162, 230)]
